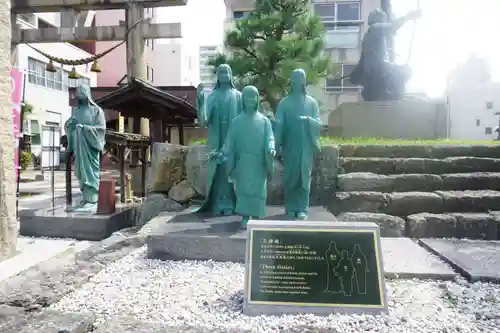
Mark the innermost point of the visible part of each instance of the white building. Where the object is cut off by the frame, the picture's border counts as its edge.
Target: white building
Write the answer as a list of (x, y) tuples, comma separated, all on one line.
[(342, 43), (473, 101), (176, 60), (207, 75), (176, 64), (47, 92)]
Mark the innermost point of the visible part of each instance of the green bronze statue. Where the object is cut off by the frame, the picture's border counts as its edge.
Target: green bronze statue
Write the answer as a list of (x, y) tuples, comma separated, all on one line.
[(217, 113), (297, 131), (86, 132), (249, 153)]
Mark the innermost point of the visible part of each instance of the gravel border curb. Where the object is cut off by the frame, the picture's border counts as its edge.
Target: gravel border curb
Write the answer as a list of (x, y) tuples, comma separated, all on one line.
[(47, 282)]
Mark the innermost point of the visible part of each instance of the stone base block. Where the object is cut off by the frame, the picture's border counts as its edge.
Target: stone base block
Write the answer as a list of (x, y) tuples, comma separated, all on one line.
[(477, 260), (202, 237), (191, 237), (58, 223)]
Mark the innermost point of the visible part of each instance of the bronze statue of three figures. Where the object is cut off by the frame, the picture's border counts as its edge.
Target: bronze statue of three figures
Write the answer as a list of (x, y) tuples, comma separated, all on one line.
[(243, 147)]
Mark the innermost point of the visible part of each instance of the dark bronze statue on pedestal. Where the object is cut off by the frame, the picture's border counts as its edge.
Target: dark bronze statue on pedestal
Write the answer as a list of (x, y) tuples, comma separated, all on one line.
[(382, 80)]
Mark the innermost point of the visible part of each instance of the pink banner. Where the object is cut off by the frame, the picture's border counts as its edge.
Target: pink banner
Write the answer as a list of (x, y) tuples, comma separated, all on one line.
[(17, 94)]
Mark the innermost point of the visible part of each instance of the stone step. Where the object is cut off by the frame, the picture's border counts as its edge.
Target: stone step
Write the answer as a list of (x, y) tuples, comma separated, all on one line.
[(484, 226), (421, 151), (388, 166), (364, 181), (407, 203)]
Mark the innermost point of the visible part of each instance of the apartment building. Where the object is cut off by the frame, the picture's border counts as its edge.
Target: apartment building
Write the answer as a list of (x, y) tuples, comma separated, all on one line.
[(114, 64), (345, 22), (47, 92), (176, 64), (207, 76)]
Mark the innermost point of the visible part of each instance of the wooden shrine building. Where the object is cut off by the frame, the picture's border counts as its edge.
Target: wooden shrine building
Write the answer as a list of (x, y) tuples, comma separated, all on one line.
[(165, 107)]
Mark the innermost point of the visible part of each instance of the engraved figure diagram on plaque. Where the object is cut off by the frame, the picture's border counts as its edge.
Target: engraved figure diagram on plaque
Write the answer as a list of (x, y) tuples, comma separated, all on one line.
[(316, 267)]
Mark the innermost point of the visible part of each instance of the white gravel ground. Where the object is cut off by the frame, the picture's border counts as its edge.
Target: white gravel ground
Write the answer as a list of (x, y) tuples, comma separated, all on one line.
[(209, 295)]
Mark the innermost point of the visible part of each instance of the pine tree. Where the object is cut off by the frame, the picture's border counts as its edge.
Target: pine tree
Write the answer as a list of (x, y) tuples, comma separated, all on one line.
[(273, 40)]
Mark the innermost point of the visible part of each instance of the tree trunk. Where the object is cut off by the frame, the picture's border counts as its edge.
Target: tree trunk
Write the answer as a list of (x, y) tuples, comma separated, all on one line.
[(273, 104), (8, 223)]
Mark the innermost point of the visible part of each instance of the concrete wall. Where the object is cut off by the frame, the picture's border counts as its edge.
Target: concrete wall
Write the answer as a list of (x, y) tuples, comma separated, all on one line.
[(176, 64), (407, 119), (8, 223)]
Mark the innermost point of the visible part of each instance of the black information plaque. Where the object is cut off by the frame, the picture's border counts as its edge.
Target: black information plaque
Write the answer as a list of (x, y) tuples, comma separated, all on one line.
[(315, 267)]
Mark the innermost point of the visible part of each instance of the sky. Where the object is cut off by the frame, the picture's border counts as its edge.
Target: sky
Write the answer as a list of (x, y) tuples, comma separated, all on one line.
[(448, 32)]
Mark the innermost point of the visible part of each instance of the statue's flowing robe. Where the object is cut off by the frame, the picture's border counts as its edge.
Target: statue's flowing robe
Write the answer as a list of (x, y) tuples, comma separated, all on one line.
[(87, 144), (298, 140), (373, 54), (222, 107), (247, 147)]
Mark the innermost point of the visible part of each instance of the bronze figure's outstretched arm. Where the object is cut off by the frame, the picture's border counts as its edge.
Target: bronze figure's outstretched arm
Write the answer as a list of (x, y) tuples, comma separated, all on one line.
[(391, 27)]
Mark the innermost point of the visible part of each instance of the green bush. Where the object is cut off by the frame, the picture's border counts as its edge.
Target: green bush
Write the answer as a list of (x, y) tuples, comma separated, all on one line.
[(199, 142), (25, 159)]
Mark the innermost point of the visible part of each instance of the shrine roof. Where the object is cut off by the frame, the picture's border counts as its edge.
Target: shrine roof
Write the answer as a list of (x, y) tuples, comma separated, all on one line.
[(140, 98)]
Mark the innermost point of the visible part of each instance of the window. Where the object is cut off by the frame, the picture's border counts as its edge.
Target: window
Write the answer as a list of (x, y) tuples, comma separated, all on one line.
[(489, 105), (28, 18), (147, 72), (35, 133), (348, 11), (341, 11), (239, 14), (488, 130), (341, 23), (341, 36), (478, 122), (32, 65), (76, 83), (58, 81), (340, 85), (152, 75), (325, 11)]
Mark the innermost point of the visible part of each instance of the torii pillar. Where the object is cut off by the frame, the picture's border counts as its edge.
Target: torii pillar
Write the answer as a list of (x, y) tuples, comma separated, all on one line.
[(135, 63)]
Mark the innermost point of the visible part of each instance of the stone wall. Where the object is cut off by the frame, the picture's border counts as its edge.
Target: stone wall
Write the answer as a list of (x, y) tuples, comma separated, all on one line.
[(323, 182), (8, 223)]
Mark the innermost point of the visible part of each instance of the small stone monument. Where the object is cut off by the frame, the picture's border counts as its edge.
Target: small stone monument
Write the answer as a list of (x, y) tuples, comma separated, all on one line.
[(313, 267)]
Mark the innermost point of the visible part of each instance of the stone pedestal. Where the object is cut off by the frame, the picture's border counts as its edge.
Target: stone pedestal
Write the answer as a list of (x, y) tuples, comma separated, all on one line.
[(324, 175), (57, 223), (410, 119), (106, 203), (167, 167)]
